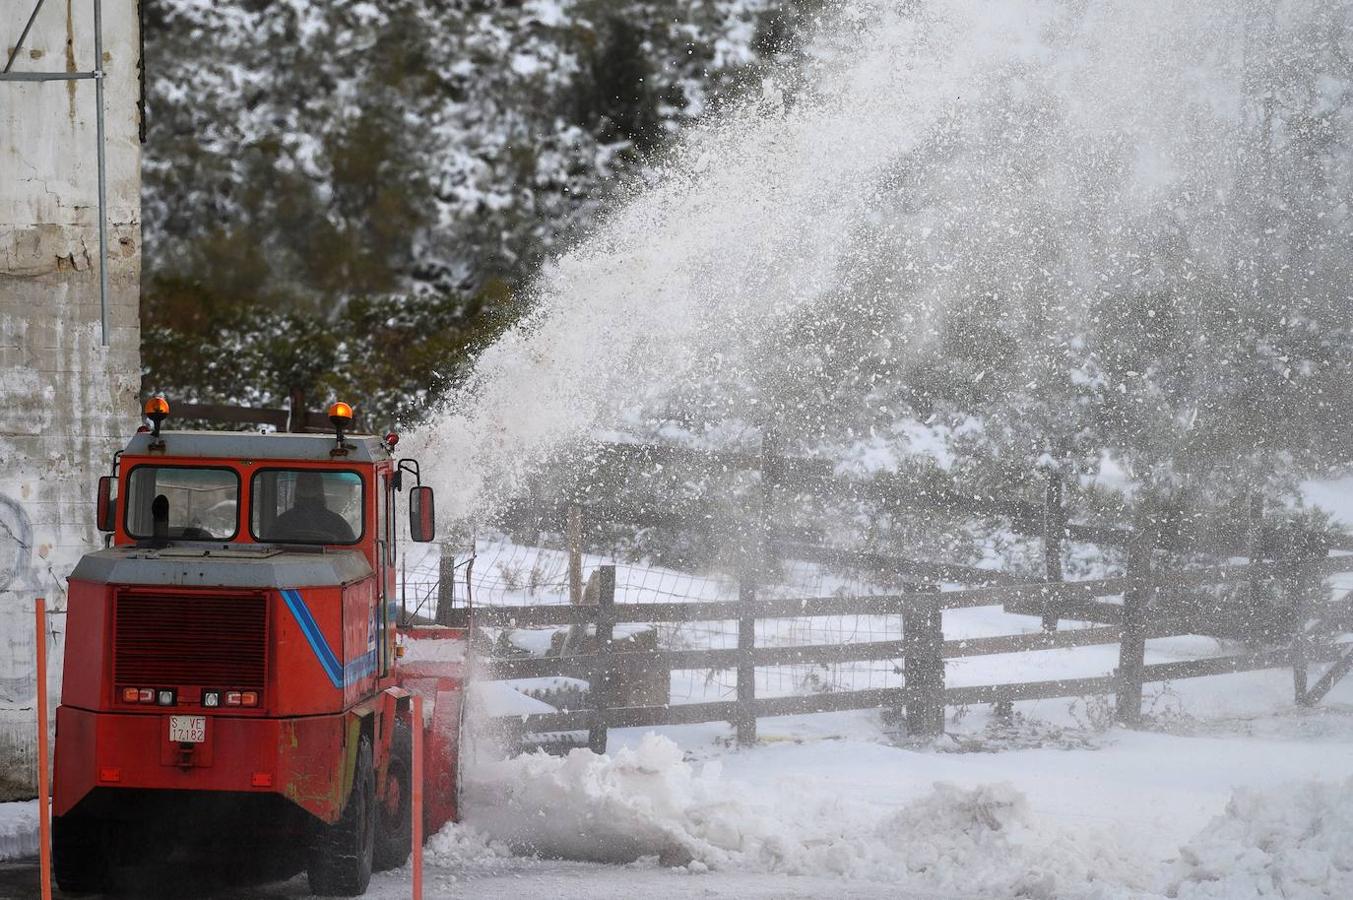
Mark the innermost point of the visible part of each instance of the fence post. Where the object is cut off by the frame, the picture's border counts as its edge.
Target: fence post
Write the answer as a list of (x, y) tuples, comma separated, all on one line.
[(1303, 585), (746, 714), (601, 670), (770, 479), (1054, 530), (760, 556), (923, 668), (1132, 645), (935, 664), (297, 415), (575, 554), (1299, 661), (446, 585)]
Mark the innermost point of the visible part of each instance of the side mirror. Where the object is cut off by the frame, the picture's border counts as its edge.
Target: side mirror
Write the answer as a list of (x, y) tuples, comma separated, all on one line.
[(422, 518), (107, 505)]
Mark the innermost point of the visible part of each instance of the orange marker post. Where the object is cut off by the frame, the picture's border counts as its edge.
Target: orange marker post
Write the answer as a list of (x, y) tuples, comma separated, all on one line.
[(417, 811), (44, 789)]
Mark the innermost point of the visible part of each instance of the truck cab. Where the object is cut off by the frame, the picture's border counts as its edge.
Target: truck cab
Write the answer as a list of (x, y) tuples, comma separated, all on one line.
[(232, 665)]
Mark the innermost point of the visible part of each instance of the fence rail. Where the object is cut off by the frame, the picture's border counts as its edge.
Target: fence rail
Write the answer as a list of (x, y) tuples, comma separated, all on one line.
[(921, 649), (1077, 600), (900, 698)]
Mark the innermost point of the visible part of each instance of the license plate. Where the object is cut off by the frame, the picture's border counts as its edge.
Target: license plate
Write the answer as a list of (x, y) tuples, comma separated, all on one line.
[(187, 729)]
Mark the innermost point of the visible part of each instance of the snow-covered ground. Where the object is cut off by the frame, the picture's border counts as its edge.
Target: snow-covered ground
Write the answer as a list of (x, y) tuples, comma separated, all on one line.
[(1231, 793), (1245, 804), (18, 829)]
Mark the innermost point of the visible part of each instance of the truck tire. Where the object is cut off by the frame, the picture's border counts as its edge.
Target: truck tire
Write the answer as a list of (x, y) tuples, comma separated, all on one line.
[(394, 830), (80, 854), (341, 853)]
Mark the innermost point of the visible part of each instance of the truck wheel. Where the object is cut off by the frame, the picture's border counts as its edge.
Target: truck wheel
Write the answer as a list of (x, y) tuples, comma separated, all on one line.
[(394, 835), (79, 855), (341, 854)]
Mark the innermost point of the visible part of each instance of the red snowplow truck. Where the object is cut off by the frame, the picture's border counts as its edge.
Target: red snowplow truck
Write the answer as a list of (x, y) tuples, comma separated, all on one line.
[(234, 681)]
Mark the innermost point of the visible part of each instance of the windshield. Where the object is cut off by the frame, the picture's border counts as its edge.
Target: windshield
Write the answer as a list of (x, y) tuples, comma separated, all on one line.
[(305, 506), (197, 503)]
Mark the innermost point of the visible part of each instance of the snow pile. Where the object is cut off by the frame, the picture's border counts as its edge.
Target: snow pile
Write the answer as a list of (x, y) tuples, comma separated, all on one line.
[(18, 830), (640, 802), (649, 802), (987, 839), (1295, 842), (461, 846)]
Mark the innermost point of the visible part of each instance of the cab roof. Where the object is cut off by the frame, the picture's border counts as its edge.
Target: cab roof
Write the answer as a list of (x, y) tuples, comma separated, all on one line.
[(362, 448)]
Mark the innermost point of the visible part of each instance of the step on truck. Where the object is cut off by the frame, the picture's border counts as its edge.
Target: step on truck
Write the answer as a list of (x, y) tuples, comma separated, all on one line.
[(234, 688)]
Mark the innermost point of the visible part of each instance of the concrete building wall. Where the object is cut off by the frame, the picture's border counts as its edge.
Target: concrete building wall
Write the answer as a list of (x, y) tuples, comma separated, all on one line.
[(66, 402)]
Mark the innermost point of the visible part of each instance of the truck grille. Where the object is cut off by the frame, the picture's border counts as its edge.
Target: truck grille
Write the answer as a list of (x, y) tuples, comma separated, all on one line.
[(195, 639)]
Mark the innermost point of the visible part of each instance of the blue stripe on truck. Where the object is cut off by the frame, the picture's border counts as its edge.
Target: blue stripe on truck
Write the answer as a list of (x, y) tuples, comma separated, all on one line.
[(327, 660)]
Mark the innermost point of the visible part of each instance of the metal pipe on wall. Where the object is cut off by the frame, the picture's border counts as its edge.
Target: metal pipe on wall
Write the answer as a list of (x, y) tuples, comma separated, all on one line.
[(103, 172), (23, 36)]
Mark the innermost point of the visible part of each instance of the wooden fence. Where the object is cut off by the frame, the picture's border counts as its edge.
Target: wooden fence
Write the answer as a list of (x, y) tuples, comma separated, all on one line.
[(922, 647), (1153, 604)]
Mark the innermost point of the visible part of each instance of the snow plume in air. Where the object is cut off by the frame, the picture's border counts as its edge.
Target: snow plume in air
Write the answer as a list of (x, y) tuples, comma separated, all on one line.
[(1045, 170), (750, 221)]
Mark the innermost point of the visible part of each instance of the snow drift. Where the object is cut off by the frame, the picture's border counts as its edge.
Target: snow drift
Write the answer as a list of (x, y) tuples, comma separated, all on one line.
[(649, 802), (1291, 843)]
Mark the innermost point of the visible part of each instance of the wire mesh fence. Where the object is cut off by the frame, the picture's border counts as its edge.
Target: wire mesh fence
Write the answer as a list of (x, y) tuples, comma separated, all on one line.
[(497, 572)]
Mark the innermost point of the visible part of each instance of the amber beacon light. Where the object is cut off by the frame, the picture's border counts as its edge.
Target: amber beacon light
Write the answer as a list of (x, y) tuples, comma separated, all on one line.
[(340, 414), (157, 410)]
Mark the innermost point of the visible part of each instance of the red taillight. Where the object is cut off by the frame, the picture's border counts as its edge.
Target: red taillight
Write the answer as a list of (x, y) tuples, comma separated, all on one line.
[(162, 696), (110, 774), (261, 779)]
